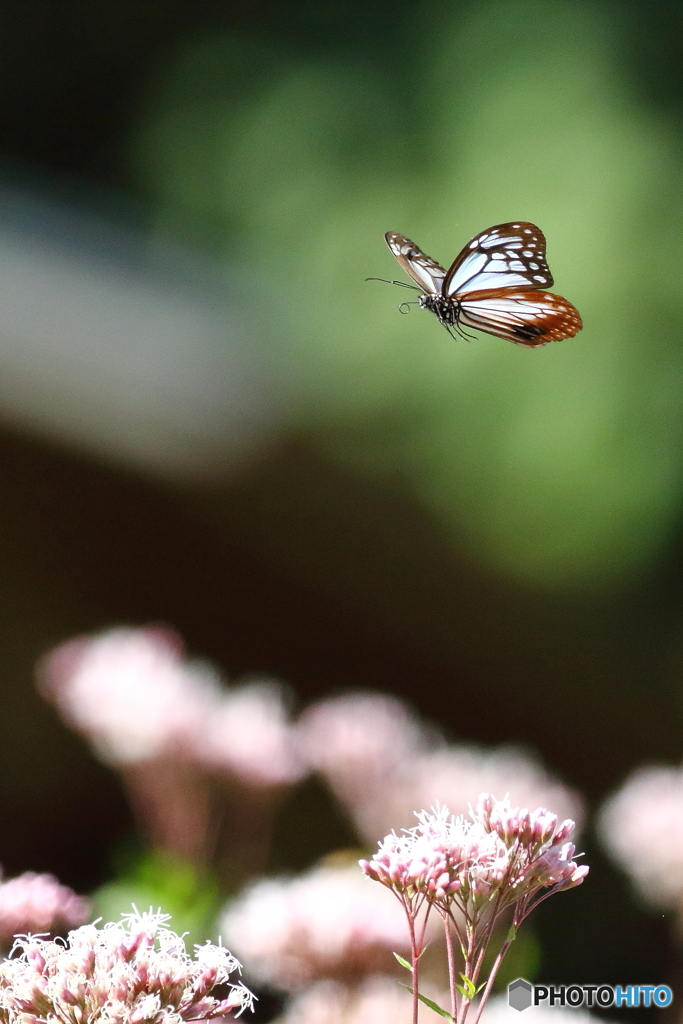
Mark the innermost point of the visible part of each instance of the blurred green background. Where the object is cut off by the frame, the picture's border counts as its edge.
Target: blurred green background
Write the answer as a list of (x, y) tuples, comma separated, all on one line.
[(491, 532)]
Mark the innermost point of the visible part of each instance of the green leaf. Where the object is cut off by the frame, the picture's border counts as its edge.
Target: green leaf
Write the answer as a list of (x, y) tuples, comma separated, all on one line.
[(403, 963), (430, 1003), (160, 879), (468, 989), (434, 1006)]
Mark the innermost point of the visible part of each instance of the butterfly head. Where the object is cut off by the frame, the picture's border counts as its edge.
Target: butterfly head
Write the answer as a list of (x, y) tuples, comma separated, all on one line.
[(447, 311)]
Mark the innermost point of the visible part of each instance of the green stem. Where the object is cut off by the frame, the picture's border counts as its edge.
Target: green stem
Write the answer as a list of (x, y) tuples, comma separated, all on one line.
[(451, 967)]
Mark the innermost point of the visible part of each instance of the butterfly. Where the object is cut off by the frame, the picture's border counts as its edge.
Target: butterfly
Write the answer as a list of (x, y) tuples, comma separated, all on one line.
[(493, 285)]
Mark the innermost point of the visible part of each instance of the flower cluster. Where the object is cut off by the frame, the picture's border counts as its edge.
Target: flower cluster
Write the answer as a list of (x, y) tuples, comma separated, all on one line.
[(38, 903), (247, 735), (136, 697), (359, 743), (325, 924), (472, 871), (134, 972), (129, 691), (502, 852), (203, 763)]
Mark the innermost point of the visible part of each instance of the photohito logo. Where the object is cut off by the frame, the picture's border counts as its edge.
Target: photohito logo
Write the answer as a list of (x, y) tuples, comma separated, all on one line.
[(522, 994)]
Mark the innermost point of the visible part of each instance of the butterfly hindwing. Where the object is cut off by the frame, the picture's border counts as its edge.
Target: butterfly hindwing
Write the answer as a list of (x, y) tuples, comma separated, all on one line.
[(530, 318), (505, 256), (425, 272)]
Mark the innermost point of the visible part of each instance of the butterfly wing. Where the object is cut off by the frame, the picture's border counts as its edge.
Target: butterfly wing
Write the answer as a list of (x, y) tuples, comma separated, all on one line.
[(505, 256), (425, 272), (530, 318)]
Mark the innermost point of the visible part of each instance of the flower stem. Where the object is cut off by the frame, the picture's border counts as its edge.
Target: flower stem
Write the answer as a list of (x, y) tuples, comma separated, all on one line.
[(492, 975), (451, 967), (469, 958), (415, 967)]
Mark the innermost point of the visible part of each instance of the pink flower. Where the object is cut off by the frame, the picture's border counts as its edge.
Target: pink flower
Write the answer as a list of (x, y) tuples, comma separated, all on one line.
[(360, 742), (174, 731), (502, 853), (130, 692), (642, 827), (327, 923), (381, 762), (134, 972), (248, 735), (137, 699), (38, 903)]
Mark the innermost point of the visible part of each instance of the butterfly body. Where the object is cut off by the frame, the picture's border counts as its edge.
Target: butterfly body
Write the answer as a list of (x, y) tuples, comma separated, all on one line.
[(447, 311), (493, 285)]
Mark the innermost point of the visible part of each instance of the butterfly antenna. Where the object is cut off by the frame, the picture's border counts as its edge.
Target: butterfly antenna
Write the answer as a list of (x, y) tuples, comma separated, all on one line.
[(401, 284)]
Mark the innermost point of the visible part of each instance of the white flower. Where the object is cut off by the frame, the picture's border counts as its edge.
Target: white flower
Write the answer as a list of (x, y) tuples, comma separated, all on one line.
[(642, 827), (249, 736), (38, 903), (129, 691), (382, 762), (327, 923), (132, 972)]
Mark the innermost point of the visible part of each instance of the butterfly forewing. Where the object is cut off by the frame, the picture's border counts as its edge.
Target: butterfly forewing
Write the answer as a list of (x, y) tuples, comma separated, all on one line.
[(530, 318), (425, 272), (505, 256)]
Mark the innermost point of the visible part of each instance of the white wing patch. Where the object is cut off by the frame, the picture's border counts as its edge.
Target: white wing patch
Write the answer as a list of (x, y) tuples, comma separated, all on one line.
[(514, 308), (479, 273), (425, 271), (505, 256)]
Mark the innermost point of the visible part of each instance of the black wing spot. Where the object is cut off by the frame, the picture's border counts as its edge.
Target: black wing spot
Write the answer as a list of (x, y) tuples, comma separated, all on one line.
[(529, 332)]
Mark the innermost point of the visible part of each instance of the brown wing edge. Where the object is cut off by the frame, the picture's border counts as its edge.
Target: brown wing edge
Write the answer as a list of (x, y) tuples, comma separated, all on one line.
[(565, 323)]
